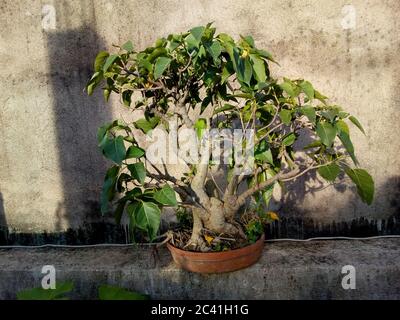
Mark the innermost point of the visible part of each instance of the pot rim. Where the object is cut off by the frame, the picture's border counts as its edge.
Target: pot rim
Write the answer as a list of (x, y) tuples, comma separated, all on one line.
[(215, 253)]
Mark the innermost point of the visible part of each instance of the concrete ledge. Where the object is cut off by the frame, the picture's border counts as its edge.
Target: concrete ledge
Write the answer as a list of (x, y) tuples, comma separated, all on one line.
[(287, 270)]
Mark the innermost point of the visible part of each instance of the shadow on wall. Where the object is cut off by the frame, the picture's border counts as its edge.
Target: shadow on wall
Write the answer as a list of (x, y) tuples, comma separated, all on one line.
[(296, 227), (301, 227), (71, 53)]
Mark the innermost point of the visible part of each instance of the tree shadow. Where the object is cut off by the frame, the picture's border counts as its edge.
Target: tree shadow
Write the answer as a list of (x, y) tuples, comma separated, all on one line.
[(71, 52), (77, 117), (300, 226)]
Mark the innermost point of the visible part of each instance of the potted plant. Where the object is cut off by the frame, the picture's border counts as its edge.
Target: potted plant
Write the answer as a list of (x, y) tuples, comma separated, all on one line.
[(198, 81)]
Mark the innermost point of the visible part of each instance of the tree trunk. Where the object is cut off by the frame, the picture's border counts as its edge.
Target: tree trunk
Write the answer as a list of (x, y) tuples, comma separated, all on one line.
[(215, 218), (196, 241)]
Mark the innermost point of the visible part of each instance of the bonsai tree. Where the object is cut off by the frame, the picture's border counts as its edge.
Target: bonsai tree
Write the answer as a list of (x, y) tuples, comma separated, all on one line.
[(201, 80)]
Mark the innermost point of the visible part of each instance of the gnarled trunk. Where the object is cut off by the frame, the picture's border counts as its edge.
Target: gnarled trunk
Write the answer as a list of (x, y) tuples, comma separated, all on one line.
[(218, 218)]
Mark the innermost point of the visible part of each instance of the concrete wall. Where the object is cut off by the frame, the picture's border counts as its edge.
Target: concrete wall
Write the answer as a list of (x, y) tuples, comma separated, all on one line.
[(50, 169), (286, 270)]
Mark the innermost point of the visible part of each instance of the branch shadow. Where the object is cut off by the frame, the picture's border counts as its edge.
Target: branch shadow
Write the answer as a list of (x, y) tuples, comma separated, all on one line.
[(301, 227)]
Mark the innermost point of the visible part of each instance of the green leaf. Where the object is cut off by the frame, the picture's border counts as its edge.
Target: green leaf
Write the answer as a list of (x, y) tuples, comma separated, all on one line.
[(329, 172), (128, 46), (146, 64), (286, 116), (47, 294), (266, 55), (200, 125), (106, 94), (146, 125), (243, 66), (364, 182), (110, 60), (242, 95), (289, 139), (357, 123), (249, 40), (288, 88), (215, 50), (108, 190), (258, 67), (261, 85), (225, 107), (126, 97), (135, 192), (172, 45), (263, 152), (114, 149), (194, 38), (227, 71), (209, 77), (99, 60), (119, 211), (90, 87), (131, 209), (346, 141), (268, 192), (107, 292), (158, 52), (134, 152), (161, 65), (93, 82), (314, 144), (197, 32), (102, 133), (329, 114), (309, 112), (166, 196), (326, 132), (148, 218), (206, 101), (342, 127), (307, 89), (342, 114), (138, 171), (319, 96), (191, 42)]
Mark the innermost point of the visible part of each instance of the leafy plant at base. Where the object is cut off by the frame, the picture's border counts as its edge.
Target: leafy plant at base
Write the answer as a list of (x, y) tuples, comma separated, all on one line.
[(229, 83), (59, 293), (106, 292)]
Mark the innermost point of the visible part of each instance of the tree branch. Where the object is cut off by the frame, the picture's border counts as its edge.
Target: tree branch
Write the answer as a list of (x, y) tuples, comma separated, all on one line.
[(279, 176), (182, 112), (200, 177)]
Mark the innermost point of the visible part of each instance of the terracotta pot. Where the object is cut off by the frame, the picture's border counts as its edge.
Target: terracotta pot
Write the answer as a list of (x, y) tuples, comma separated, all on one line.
[(218, 262)]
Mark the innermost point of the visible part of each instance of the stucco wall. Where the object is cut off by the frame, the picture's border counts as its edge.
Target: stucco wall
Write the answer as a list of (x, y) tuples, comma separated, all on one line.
[(50, 169)]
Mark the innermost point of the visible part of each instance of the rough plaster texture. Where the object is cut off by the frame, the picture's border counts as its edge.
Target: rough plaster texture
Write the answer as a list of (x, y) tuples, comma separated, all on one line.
[(50, 169), (310, 270)]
